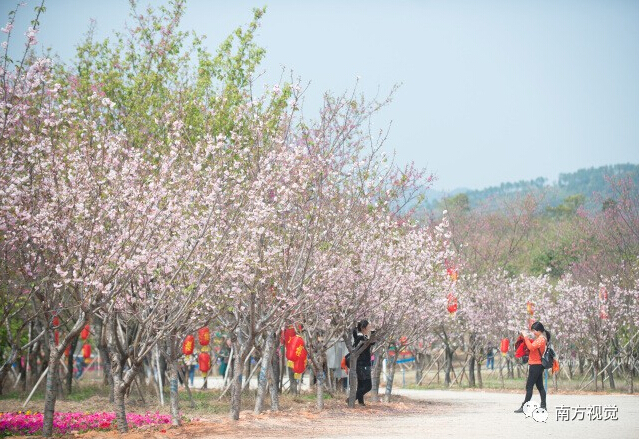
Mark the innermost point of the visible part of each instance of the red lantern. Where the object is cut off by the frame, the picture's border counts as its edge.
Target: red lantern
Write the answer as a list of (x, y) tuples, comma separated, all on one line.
[(294, 350), (288, 334), (187, 345), (203, 336), (530, 308), (56, 337), (204, 362), (84, 334), (452, 303), (504, 346), (67, 350), (56, 321), (86, 351), (300, 365)]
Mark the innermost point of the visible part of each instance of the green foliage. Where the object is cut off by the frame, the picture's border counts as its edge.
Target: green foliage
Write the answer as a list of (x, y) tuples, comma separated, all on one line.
[(569, 206), (162, 80), (459, 202), (553, 261)]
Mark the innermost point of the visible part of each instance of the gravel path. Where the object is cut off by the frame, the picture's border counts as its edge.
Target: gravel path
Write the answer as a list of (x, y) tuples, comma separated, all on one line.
[(490, 414), (441, 414)]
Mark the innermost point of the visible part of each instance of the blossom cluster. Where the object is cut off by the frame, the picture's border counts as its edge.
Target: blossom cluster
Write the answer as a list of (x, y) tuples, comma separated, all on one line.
[(29, 423)]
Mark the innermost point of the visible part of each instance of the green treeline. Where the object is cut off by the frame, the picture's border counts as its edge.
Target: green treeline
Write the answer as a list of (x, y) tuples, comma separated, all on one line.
[(586, 225), (586, 182)]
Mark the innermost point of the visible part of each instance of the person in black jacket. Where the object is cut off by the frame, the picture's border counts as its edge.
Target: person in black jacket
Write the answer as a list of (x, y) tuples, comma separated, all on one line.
[(361, 334)]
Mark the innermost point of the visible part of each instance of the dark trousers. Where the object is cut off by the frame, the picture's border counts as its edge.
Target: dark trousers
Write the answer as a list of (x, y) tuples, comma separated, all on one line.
[(364, 382), (536, 372), (363, 387)]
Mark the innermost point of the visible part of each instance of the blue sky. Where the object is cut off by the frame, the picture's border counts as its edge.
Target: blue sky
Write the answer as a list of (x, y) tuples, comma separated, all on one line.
[(492, 91)]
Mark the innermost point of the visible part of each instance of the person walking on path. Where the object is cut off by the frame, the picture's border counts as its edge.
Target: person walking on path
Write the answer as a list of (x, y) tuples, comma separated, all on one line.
[(536, 349), (361, 334)]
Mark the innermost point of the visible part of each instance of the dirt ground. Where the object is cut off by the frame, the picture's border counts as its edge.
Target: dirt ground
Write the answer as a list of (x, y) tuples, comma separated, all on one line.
[(411, 414)]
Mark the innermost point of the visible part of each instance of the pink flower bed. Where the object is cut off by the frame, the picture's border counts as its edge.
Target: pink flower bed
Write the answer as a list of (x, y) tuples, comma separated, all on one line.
[(31, 423)]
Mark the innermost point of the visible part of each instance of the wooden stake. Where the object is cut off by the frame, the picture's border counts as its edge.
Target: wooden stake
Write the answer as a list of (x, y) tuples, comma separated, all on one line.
[(159, 376), (430, 366), (35, 387)]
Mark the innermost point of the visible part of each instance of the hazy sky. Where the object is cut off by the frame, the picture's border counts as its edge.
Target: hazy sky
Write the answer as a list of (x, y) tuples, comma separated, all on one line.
[(492, 91)]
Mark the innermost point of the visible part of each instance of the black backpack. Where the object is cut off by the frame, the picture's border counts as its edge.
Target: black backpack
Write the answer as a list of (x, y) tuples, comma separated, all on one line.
[(547, 357)]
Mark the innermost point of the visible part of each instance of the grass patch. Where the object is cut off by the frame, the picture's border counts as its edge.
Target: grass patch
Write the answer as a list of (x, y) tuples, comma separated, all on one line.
[(83, 393), (493, 382)]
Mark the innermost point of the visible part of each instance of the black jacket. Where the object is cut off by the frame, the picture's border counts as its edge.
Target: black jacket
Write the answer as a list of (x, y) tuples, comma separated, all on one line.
[(364, 359)]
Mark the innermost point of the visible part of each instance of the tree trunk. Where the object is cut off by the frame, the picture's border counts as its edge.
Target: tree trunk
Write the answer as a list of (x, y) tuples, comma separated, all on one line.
[(293, 383), (448, 358), (391, 363), (274, 389), (118, 404), (472, 368), (174, 402), (162, 366), (419, 360), (104, 355), (375, 378), (353, 379), (32, 366), (282, 369), (612, 384), (236, 385), (119, 388), (122, 380), (264, 372), (246, 372), (70, 361), (479, 366), (320, 379), (51, 389), (353, 382)]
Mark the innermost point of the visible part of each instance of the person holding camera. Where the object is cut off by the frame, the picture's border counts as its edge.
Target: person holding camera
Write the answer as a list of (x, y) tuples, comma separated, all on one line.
[(361, 334), (535, 377)]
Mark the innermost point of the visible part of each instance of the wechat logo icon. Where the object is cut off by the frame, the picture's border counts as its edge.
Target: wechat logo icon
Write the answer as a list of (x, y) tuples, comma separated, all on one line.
[(531, 410)]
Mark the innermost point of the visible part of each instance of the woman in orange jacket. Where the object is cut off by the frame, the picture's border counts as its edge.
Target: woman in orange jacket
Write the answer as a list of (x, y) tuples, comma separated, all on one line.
[(536, 349)]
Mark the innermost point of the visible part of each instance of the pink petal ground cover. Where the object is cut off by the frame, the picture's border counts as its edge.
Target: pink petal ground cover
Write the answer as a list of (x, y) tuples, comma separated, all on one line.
[(31, 423)]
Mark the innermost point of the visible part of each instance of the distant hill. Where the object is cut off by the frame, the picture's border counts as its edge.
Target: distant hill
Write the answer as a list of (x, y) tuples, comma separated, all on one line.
[(585, 182)]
